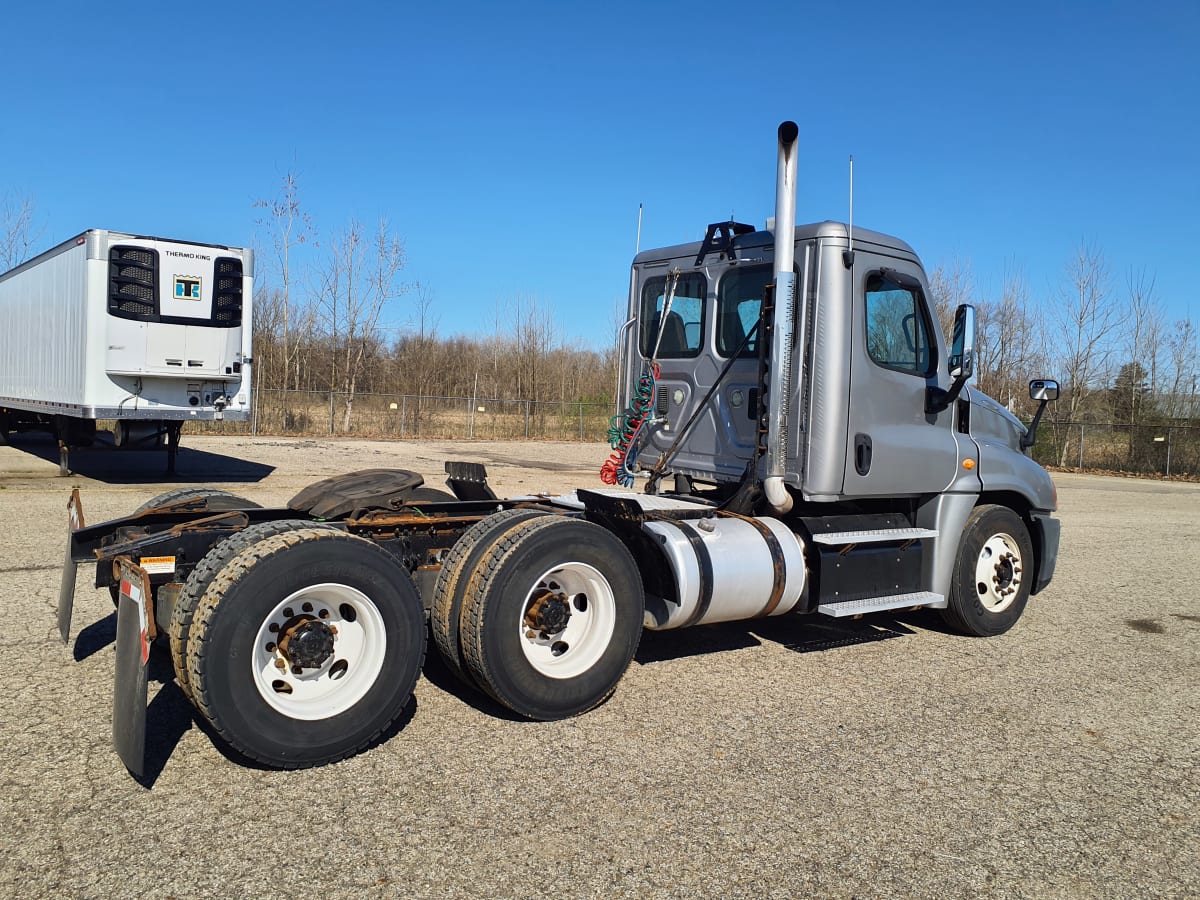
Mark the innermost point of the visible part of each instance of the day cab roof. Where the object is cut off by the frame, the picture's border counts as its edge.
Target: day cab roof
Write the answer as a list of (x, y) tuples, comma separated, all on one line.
[(864, 239)]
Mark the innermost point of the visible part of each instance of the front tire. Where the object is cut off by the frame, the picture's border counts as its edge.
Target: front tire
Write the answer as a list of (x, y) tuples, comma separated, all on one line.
[(992, 574), (306, 647), (552, 617)]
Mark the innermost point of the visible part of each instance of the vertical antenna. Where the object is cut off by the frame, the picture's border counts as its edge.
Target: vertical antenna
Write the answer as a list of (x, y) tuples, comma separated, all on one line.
[(638, 246), (848, 256)]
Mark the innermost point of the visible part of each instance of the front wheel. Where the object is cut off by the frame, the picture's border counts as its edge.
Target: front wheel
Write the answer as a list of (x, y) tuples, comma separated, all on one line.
[(552, 616), (306, 647), (993, 573)]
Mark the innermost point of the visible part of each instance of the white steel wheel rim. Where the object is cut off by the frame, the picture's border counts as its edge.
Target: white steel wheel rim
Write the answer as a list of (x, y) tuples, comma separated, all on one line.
[(571, 650), (341, 680), (999, 572)]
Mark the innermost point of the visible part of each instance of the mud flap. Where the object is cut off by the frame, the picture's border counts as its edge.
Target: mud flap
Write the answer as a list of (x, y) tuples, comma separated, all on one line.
[(66, 589), (135, 631)]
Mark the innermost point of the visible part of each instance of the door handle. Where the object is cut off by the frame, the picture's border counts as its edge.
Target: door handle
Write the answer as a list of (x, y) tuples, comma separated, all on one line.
[(862, 453)]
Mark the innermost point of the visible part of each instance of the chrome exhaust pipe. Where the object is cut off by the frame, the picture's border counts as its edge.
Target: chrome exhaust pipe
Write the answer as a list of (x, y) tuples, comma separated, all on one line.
[(785, 305)]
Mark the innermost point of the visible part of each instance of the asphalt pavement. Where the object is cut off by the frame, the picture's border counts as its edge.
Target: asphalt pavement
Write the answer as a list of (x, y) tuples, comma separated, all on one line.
[(800, 756)]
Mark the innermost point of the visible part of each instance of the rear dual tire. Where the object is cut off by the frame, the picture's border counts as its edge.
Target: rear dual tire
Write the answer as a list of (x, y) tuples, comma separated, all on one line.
[(445, 614), (552, 617), (358, 642)]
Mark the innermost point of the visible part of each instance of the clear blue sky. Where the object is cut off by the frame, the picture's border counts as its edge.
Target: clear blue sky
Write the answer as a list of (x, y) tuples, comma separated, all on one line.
[(510, 144)]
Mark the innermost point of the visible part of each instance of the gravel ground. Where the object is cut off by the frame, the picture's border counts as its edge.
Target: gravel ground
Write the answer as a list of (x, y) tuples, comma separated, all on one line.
[(797, 757)]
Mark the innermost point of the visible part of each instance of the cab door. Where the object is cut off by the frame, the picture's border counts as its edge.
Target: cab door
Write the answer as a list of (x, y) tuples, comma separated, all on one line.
[(893, 447)]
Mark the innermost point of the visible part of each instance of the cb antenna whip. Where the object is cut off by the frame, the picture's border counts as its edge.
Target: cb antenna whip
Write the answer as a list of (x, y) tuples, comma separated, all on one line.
[(848, 256)]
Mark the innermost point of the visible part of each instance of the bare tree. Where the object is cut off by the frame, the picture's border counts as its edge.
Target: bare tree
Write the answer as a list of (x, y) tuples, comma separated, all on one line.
[(1088, 320), (533, 338), (950, 284), (290, 227), (416, 356), (1183, 357), (1144, 334), (17, 231), (1008, 349), (359, 280)]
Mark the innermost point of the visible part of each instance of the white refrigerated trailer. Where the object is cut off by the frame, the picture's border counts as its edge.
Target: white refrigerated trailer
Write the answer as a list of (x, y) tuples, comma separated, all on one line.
[(146, 332)]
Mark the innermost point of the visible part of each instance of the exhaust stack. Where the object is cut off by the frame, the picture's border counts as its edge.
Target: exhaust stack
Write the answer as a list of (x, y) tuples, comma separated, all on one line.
[(785, 304)]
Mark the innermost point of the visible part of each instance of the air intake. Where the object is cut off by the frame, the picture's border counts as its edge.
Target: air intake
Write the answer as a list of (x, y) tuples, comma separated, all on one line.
[(227, 298), (132, 282)]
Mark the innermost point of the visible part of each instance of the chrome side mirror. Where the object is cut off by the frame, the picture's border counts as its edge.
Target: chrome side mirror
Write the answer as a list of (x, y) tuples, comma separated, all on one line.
[(1043, 389), (962, 347)]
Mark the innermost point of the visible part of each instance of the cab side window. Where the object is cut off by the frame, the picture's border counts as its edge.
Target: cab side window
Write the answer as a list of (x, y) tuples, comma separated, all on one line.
[(898, 324), (683, 327), (739, 297)]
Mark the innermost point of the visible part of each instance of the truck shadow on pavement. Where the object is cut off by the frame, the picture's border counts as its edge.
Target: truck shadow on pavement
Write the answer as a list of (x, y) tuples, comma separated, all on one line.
[(801, 634), (170, 715), (112, 465)]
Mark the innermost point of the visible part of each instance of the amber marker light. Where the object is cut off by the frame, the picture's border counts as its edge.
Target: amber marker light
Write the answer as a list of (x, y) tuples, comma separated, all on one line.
[(968, 464)]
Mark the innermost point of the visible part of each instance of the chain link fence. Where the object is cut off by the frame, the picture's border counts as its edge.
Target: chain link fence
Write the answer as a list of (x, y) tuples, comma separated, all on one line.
[(1163, 450), (1166, 450), (315, 413)]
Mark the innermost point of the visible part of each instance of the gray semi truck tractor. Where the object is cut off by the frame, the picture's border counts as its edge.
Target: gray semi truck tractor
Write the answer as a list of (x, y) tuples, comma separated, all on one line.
[(800, 439)]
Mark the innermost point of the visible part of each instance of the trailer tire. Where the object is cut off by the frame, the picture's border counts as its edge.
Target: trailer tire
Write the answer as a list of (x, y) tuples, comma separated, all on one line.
[(552, 617), (354, 679), (210, 565), (993, 573), (445, 614)]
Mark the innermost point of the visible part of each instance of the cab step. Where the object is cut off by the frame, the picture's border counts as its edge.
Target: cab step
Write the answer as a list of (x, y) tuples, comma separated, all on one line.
[(874, 536), (839, 609)]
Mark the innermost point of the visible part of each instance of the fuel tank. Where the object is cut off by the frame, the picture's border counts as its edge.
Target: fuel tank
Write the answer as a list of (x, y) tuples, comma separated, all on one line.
[(726, 568)]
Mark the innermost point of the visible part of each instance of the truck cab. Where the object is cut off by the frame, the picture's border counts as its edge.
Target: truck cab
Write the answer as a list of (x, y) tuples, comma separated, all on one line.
[(844, 388)]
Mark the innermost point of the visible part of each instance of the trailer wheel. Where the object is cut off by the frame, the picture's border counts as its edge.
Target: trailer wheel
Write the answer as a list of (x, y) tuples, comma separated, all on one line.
[(306, 647), (211, 565), (446, 611), (552, 617), (992, 575)]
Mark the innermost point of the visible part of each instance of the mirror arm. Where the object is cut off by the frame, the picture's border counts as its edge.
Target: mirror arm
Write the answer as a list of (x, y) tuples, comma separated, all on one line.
[(1030, 437), (938, 399)]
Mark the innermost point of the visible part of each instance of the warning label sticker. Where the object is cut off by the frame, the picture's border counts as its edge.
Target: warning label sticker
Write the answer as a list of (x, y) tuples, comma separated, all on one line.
[(158, 565)]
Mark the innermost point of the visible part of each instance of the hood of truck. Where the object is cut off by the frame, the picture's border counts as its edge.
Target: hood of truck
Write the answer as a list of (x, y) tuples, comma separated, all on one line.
[(1003, 465)]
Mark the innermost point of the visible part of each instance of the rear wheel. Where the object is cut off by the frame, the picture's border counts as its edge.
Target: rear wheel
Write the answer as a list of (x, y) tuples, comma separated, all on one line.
[(552, 617), (306, 647), (446, 611), (216, 500), (429, 495), (992, 574), (202, 576)]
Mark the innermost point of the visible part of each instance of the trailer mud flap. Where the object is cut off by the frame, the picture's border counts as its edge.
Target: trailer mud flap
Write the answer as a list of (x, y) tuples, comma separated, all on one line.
[(135, 631), (66, 589)]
